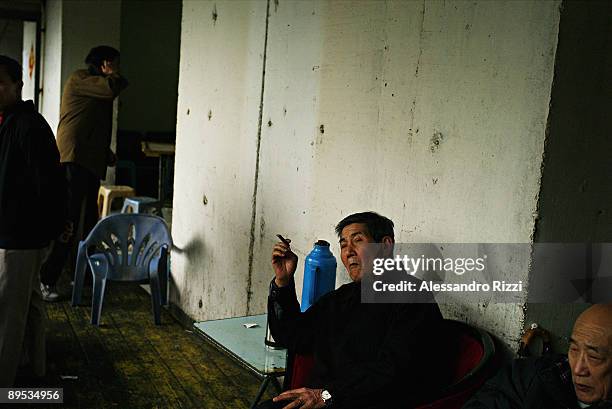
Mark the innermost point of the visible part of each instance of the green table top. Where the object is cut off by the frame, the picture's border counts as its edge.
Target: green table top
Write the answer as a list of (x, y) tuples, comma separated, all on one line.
[(246, 345)]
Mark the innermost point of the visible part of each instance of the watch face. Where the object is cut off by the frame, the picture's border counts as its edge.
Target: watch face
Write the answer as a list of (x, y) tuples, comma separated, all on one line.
[(325, 395)]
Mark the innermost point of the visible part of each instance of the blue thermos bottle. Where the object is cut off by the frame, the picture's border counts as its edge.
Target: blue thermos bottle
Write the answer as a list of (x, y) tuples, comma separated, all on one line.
[(319, 274)]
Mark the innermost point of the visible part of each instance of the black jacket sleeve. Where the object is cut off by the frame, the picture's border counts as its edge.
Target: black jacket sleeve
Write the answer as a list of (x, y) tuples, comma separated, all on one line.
[(289, 326), (47, 179), (526, 383)]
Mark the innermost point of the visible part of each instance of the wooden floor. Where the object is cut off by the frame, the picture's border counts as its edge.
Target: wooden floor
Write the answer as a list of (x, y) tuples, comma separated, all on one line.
[(128, 362)]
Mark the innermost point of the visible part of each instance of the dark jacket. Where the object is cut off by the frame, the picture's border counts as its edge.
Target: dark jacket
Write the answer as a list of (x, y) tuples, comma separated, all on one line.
[(32, 185), (531, 383), (365, 355), (86, 119)]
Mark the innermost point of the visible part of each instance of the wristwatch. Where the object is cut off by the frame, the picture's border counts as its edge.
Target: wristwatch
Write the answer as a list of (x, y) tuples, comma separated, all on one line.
[(326, 396)]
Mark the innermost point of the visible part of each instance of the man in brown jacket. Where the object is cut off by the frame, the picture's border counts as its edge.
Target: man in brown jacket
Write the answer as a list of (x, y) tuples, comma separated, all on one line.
[(83, 139)]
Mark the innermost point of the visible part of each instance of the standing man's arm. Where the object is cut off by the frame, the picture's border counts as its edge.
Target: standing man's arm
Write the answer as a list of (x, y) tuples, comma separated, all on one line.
[(42, 158), (98, 86), (106, 86)]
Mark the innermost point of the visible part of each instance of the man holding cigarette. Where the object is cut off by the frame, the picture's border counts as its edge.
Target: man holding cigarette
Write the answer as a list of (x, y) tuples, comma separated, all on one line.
[(366, 356)]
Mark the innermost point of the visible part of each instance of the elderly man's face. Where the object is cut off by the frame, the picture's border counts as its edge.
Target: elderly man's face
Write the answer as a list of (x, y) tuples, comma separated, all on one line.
[(354, 239), (590, 357)]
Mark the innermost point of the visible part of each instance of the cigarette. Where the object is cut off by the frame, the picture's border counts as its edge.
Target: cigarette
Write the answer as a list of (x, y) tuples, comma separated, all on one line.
[(284, 240)]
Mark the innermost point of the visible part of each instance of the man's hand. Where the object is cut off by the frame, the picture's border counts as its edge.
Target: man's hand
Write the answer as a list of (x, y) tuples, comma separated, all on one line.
[(284, 262), (109, 67), (302, 398)]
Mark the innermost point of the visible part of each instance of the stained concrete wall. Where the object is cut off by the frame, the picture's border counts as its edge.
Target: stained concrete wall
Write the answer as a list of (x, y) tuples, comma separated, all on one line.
[(432, 113), (150, 34), (411, 114), (575, 203), (220, 77)]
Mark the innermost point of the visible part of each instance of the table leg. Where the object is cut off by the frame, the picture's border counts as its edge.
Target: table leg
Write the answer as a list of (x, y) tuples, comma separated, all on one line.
[(276, 384), (263, 387)]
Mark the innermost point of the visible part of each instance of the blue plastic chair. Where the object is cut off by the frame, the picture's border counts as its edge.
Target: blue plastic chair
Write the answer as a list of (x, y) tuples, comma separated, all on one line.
[(125, 247)]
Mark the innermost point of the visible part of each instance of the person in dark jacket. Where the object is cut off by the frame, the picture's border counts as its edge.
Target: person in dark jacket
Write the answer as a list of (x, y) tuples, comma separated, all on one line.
[(31, 215), (583, 379), (83, 139), (370, 356)]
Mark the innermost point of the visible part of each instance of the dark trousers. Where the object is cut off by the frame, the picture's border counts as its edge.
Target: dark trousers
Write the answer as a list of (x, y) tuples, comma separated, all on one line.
[(83, 186)]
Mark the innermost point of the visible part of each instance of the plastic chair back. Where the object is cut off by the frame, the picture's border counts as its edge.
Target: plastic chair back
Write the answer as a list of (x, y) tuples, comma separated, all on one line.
[(124, 247)]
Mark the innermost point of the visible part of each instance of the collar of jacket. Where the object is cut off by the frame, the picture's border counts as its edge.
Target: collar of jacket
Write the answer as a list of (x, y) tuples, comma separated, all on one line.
[(20, 106)]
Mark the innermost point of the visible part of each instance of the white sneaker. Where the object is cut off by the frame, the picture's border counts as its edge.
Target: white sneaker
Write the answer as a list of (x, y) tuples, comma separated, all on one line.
[(49, 292)]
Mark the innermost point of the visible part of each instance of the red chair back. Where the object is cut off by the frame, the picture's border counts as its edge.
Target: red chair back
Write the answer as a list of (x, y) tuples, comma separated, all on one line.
[(471, 353), (471, 362), (302, 367)]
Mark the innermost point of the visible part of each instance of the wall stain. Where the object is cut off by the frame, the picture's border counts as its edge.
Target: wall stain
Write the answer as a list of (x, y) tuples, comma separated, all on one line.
[(410, 135), (421, 37), (412, 108), (249, 284), (262, 227), (214, 14), (209, 114), (436, 140)]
